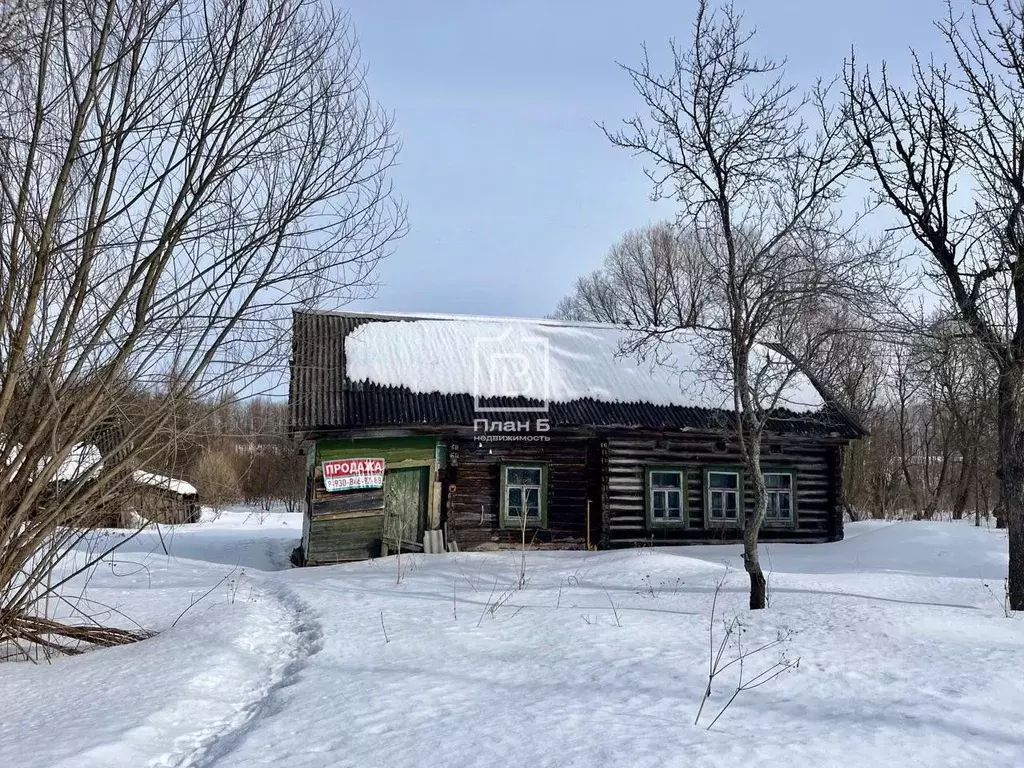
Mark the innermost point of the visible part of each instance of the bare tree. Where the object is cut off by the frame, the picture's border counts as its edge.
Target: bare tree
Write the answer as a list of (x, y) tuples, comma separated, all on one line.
[(924, 397), (14, 21), (175, 176), (962, 371), (652, 276), (961, 127), (851, 363), (924, 434), (730, 140)]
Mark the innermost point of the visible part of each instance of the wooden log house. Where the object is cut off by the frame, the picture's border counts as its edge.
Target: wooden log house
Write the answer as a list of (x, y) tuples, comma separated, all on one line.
[(494, 430)]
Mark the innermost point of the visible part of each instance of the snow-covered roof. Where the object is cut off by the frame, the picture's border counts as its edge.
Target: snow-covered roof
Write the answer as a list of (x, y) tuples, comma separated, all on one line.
[(163, 482), (84, 461), (544, 360)]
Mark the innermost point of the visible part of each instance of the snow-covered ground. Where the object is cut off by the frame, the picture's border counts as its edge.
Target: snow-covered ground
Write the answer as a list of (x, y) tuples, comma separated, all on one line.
[(906, 657)]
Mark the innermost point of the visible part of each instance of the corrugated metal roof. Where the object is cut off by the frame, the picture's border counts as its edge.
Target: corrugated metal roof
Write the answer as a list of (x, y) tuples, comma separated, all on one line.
[(322, 398)]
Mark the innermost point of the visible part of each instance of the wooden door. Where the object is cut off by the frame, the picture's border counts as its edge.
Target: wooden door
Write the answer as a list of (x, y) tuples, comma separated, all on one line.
[(405, 500)]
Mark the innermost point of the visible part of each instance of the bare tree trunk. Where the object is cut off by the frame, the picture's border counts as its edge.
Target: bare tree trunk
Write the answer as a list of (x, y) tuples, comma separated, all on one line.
[(906, 430), (919, 138), (999, 513), (963, 488), (976, 479), (1011, 473), (752, 564), (752, 527)]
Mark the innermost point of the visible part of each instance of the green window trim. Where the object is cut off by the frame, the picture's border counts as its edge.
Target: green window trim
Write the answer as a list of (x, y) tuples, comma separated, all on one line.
[(515, 522), (649, 497), (782, 522), (723, 522)]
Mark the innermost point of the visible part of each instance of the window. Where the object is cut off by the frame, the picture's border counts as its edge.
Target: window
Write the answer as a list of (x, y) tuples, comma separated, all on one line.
[(780, 496), (722, 496), (523, 495), (666, 496)]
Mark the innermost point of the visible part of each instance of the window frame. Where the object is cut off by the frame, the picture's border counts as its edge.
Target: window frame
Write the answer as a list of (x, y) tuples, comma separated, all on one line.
[(515, 522), (791, 521), (684, 502), (711, 522)]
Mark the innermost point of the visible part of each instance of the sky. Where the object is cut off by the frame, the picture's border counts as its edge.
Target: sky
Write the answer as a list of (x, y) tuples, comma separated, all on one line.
[(512, 189)]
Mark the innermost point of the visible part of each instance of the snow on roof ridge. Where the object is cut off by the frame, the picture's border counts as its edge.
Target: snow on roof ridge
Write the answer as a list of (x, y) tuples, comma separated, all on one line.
[(83, 460), (542, 321), (545, 361), (154, 480), (389, 315)]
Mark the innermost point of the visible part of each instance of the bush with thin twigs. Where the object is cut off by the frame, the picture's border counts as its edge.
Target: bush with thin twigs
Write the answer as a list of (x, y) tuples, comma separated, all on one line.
[(135, 283), (217, 479), (1004, 604), (732, 638)]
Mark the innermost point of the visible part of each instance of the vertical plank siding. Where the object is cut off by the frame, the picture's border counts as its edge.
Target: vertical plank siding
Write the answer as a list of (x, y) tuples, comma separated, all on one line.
[(167, 507), (473, 509), (624, 514), (339, 527)]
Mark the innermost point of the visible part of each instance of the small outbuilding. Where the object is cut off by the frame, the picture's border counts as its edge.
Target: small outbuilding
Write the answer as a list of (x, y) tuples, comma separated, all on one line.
[(150, 496), (488, 432), (162, 499)]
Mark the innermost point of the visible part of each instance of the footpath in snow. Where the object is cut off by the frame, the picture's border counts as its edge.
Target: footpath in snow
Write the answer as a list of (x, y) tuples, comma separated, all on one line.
[(906, 657)]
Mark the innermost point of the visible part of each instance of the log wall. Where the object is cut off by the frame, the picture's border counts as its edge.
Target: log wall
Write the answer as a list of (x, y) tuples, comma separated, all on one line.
[(625, 460), (607, 471), (573, 478)]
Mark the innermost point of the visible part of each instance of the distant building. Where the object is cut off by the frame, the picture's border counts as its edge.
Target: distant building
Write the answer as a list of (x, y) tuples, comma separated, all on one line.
[(154, 498), (161, 499)]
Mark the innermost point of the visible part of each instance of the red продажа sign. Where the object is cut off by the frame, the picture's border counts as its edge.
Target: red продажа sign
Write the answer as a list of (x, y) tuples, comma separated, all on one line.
[(351, 474)]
